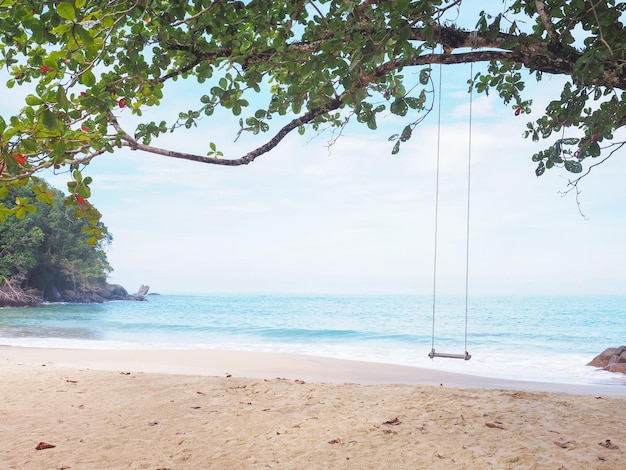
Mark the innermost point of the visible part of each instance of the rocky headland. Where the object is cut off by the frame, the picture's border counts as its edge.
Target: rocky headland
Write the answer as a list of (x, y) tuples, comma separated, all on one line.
[(14, 295)]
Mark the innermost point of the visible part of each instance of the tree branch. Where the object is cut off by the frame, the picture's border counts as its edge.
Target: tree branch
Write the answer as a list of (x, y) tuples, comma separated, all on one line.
[(533, 62), (533, 53), (133, 144), (546, 20)]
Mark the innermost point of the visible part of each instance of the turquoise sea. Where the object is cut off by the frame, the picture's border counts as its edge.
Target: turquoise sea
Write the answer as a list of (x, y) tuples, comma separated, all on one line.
[(547, 339)]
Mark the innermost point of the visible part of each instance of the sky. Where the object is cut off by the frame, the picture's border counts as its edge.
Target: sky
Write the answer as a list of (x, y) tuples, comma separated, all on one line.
[(354, 219)]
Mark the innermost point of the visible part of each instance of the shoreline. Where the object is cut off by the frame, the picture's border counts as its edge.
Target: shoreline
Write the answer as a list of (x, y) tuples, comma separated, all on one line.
[(268, 365)]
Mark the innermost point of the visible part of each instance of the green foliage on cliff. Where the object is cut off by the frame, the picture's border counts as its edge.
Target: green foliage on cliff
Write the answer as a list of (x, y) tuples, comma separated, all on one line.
[(45, 244)]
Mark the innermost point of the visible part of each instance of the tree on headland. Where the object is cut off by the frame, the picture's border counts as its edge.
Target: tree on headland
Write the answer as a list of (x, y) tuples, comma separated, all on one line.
[(282, 67), (47, 249)]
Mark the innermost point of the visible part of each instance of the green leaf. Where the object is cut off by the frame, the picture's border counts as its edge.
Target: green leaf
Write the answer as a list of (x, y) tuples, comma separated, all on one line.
[(66, 11), (49, 120), (541, 168), (594, 149), (406, 134), (573, 166), (62, 98), (84, 35), (414, 103), (88, 78), (32, 100), (399, 107)]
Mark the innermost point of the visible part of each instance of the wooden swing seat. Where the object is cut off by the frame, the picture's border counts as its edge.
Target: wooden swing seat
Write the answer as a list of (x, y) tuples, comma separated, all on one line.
[(467, 356)]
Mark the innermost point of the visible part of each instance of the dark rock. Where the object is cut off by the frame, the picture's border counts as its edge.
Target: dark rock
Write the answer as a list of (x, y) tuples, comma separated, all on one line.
[(52, 294), (68, 295), (611, 359), (113, 292), (98, 295)]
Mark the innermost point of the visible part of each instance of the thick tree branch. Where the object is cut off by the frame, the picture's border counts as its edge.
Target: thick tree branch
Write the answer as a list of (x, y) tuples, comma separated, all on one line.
[(531, 61), (533, 53)]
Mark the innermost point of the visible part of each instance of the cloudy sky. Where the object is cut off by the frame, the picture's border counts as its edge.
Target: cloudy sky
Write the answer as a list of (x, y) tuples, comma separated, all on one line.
[(352, 218)]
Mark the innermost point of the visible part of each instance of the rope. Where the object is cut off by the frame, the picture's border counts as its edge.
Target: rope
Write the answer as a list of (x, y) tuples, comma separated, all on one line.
[(436, 209), (469, 185)]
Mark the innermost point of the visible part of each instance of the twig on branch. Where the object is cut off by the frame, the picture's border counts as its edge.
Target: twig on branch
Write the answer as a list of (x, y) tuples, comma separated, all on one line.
[(546, 20), (573, 184)]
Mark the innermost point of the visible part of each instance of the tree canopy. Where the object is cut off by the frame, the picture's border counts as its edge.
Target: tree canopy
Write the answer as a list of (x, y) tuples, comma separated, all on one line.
[(282, 67), (48, 247)]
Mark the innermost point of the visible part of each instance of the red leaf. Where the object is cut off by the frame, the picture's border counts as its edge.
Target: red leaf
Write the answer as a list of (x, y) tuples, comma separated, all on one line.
[(122, 103), (44, 445), (394, 422), (44, 69), (83, 94), (518, 111), (85, 129), (20, 158), (79, 199)]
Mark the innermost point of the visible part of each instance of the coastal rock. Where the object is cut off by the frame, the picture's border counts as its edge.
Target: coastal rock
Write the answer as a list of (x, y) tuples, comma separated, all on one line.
[(611, 359), (68, 295), (52, 294), (113, 292), (142, 291), (15, 293), (98, 295)]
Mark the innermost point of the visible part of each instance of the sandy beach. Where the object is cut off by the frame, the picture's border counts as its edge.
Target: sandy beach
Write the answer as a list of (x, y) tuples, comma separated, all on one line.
[(190, 409)]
